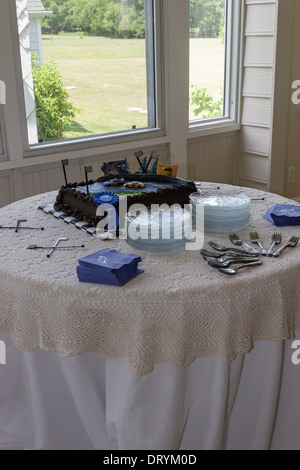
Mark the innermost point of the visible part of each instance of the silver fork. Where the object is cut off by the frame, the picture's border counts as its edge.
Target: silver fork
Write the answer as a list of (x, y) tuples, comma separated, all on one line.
[(237, 241), (255, 238), (275, 240), (292, 243)]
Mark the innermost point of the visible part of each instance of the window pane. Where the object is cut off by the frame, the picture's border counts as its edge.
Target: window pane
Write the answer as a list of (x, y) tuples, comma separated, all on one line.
[(207, 58), (90, 69)]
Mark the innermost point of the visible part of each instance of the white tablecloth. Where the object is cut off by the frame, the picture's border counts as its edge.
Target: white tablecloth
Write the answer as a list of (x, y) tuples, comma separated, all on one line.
[(178, 310), (88, 402)]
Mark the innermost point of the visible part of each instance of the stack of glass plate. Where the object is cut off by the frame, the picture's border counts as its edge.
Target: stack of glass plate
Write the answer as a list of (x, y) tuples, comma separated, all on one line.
[(158, 231), (224, 211)]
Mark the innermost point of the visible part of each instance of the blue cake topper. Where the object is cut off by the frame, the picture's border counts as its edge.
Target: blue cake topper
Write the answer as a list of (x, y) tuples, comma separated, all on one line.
[(106, 197)]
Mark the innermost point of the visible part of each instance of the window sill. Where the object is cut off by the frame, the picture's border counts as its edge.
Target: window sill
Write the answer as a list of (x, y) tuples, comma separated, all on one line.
[(95, 145), (197, 131)]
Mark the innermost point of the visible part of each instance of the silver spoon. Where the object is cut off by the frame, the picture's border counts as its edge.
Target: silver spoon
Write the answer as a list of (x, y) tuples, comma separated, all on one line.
[(235, 270), (225, 263), (219, 254), (218, 247)]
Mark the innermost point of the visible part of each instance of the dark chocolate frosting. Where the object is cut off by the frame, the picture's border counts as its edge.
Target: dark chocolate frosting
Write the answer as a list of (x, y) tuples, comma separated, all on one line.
[(80, 205)]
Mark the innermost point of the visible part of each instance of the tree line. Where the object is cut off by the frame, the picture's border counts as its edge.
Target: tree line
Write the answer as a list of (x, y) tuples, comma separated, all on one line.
[(115, 18), (207, 18), (125, 18)]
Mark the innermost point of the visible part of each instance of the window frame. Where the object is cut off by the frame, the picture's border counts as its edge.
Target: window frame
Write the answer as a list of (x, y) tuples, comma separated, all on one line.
[(102, 140), (232, 77)]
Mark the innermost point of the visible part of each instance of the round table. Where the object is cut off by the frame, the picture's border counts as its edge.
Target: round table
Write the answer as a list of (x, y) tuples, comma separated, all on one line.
[(180, 314), (179, 309)]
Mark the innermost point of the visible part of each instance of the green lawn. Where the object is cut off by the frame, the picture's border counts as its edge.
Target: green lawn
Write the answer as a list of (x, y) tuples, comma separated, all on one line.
[(207, 66), (107, 78), (207, 63)]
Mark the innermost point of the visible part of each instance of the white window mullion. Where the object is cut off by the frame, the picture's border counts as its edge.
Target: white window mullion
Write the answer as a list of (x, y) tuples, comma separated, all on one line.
[(25, 51), (231, 82), (150, 63)]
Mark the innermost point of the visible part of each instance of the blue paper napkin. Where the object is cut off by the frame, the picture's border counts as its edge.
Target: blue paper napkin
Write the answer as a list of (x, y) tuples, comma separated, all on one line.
[(283, 215), (114, 279), (108, 266)]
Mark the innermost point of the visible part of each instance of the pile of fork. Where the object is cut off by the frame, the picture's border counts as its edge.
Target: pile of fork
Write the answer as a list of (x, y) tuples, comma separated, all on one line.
[(246, 255), (255, 238)]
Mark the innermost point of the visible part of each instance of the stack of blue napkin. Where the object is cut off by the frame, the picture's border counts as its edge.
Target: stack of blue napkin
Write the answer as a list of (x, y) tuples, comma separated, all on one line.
[(282, 215), (108, 267)]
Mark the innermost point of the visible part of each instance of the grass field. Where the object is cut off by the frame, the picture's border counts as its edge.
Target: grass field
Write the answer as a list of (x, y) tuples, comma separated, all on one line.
[(106, 78)]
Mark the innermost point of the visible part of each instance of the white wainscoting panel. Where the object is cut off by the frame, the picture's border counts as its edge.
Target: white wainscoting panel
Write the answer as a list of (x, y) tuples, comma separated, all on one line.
[(6, 188), (253, 184), (254, 167), (255, 140), (213, 158), (31, 180)]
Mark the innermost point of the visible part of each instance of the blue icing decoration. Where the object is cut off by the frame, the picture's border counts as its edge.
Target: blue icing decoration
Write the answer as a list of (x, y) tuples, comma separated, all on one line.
[(106, 197)]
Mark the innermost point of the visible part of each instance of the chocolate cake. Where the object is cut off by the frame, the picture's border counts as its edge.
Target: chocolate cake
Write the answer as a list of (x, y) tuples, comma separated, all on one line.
[(76, 200)]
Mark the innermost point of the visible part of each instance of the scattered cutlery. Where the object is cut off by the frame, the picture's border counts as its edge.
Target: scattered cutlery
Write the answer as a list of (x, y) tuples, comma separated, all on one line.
[(228, 262), (211, 253), (255, 238), (35, 247), (291, 243), (237, 241), (235, 270), (19, 227), (275, 240), (218, 247), (228, 253), (55, 245), (207, 188)]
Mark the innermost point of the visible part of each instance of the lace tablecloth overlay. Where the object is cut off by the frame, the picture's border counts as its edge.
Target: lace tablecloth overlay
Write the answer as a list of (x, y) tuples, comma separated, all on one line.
[(179, 309)]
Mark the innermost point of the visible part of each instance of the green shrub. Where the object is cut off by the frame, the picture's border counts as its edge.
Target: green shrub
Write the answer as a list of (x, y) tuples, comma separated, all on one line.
[(206, 106), (54, 112)]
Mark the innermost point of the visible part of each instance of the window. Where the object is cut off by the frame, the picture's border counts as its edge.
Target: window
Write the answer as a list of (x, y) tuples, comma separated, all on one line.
[(89, 69), (214, 54)]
